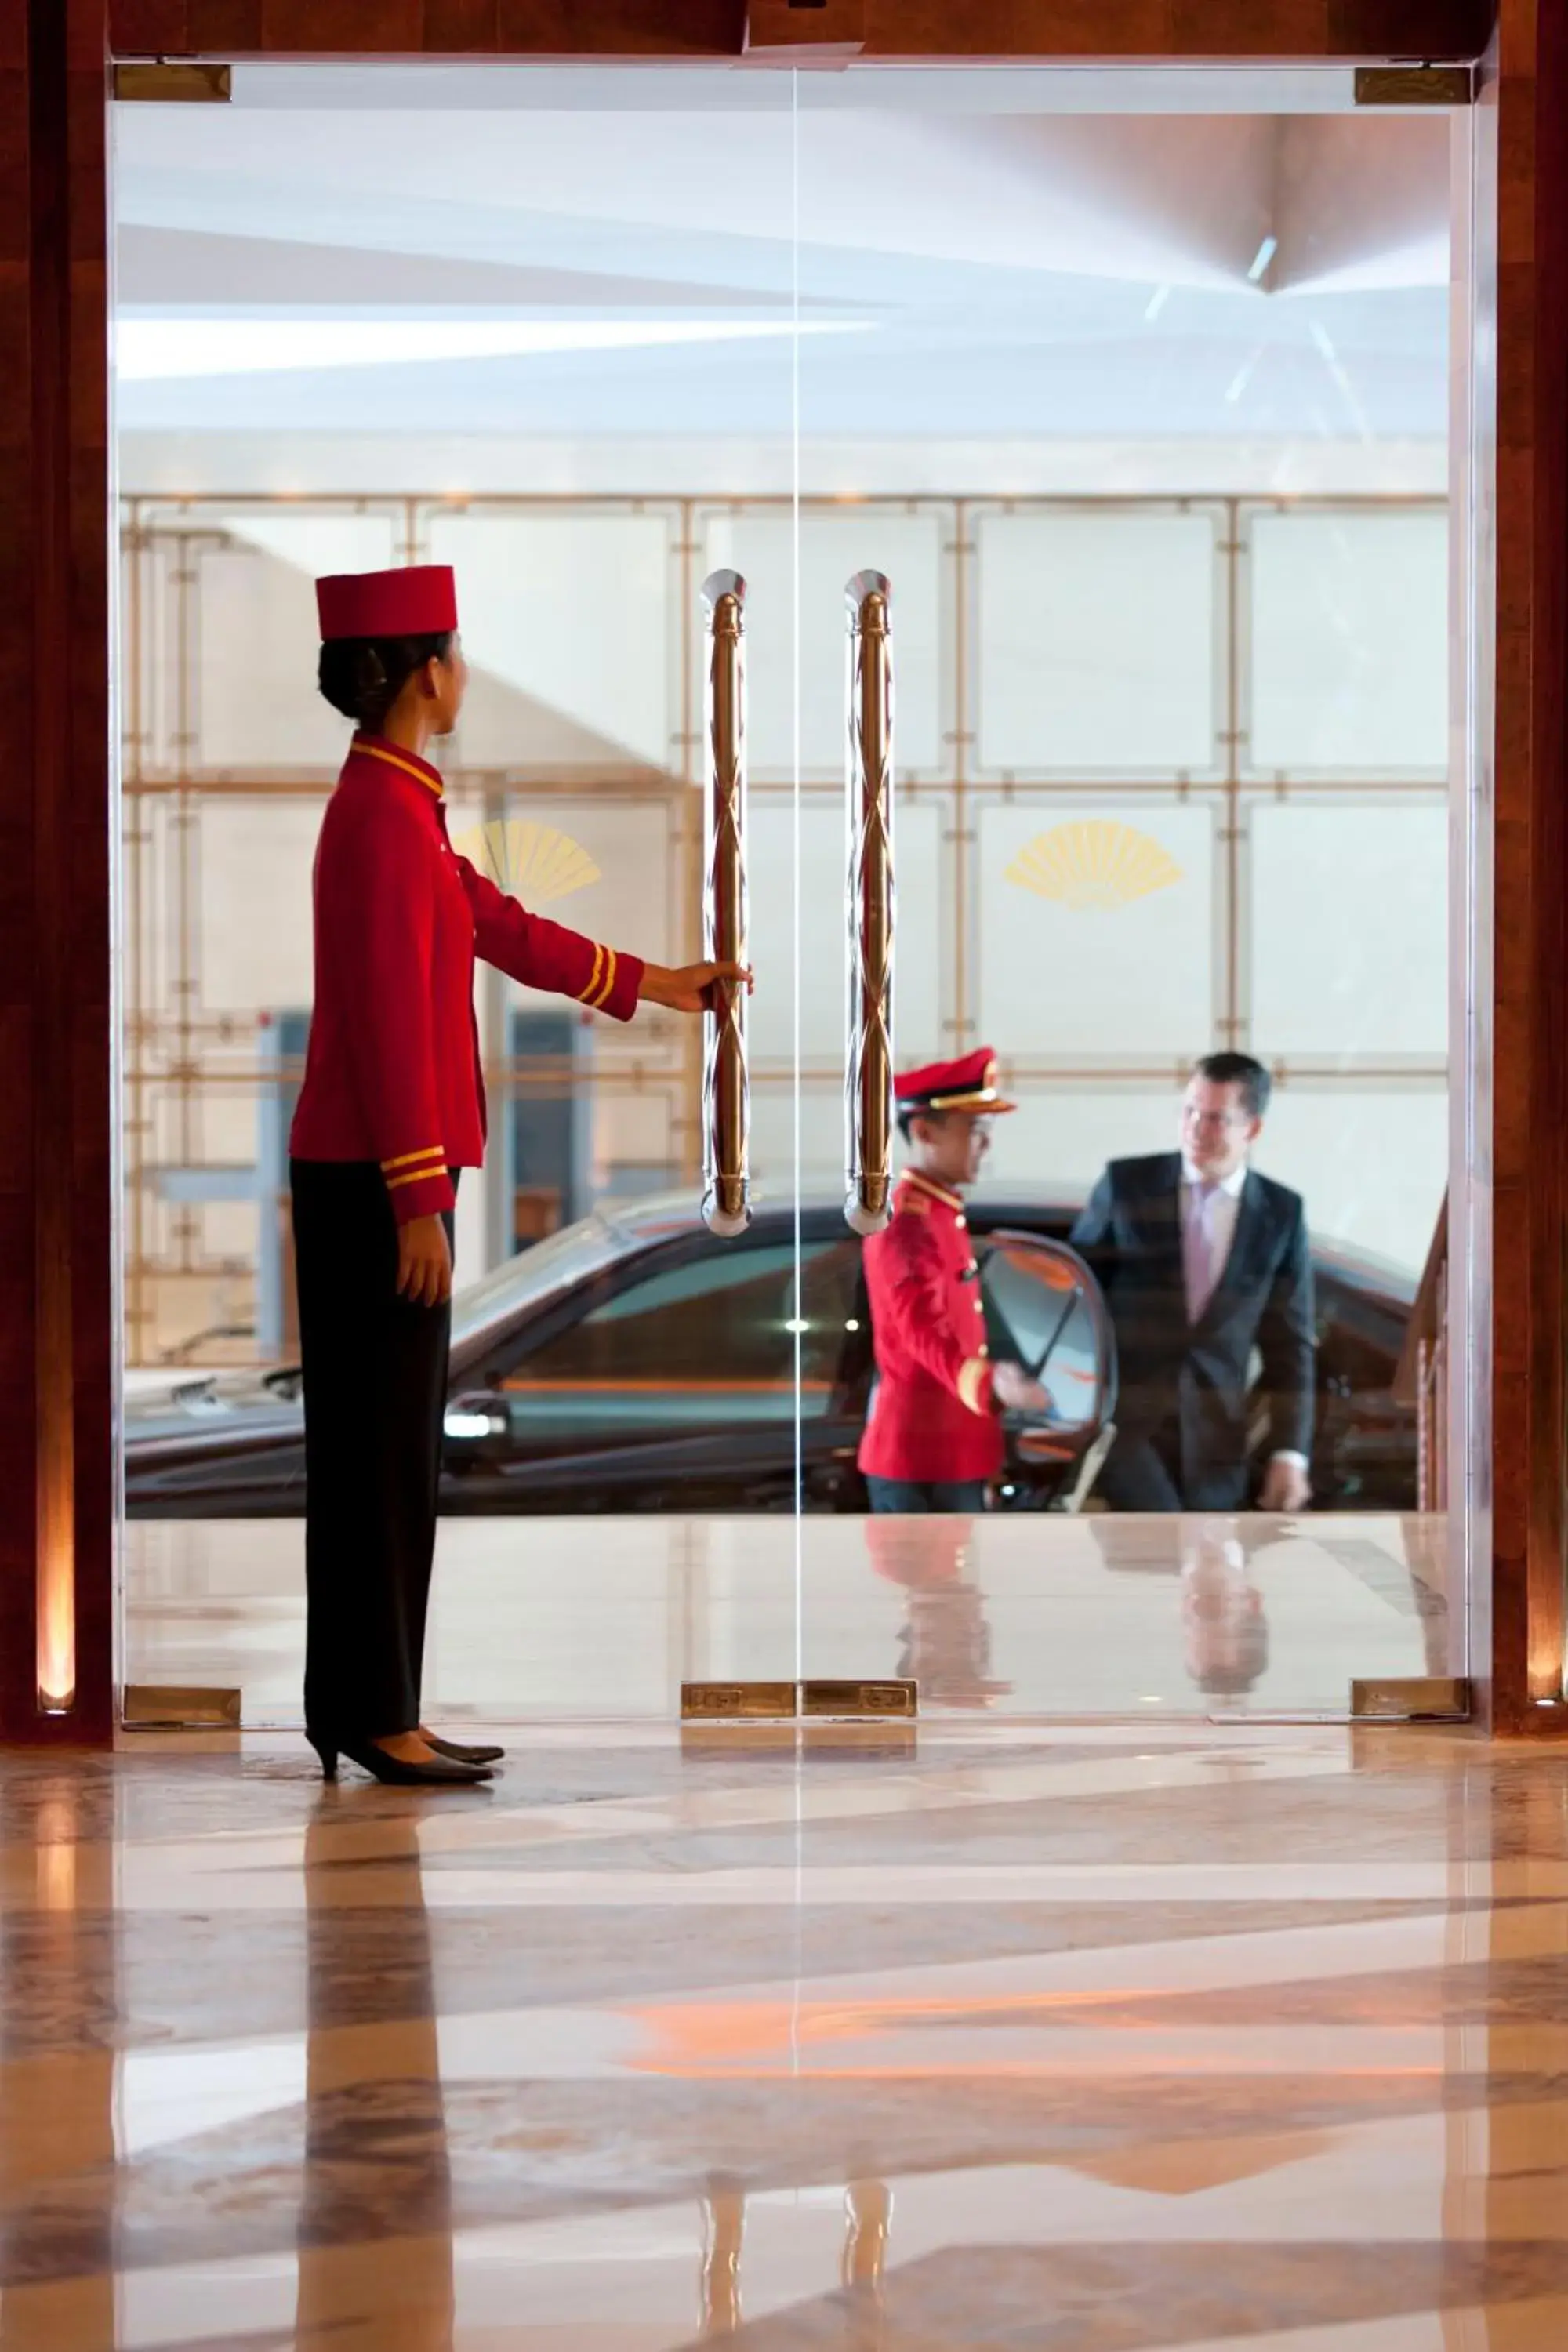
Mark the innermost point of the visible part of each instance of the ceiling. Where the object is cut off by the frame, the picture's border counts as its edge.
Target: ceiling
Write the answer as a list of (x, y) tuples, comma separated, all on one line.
[(635, 260)]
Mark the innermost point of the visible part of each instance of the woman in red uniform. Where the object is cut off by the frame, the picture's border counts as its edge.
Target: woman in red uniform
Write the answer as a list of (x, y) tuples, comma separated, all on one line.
[(392, 1107)]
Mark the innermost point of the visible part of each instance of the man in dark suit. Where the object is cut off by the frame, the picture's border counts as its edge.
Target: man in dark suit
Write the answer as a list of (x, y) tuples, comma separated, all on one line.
[(1205, 1266)]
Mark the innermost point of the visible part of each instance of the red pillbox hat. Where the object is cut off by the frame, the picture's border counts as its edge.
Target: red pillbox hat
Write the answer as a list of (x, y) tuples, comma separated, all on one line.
[(418, 600)]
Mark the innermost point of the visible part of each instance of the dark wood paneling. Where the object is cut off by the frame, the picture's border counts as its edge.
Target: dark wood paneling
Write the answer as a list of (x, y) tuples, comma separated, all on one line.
[(1530, 1078), (1179, 28), (237, 28), (1066, 29), (56, 1292)]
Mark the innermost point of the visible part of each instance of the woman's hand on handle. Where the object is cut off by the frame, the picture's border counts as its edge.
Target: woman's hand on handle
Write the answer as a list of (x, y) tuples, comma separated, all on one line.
[(423, 1262), (693, 987)]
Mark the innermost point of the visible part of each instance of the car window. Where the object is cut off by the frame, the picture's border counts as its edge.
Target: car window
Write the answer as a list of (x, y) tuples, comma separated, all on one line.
[(556, 1264), (710, 1336)]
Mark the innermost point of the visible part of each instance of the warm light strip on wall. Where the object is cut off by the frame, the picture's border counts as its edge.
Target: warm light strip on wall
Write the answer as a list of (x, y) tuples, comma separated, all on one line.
[(57, 1502)]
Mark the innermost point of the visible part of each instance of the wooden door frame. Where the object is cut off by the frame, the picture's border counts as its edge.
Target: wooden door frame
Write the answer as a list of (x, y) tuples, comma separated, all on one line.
[(58, 1319)]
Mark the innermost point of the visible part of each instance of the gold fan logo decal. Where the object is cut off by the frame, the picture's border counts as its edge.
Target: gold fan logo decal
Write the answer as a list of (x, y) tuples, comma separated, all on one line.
[(1095, 863), (533, 862)]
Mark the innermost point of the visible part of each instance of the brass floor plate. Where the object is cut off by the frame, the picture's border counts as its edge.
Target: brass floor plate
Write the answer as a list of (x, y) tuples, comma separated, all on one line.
[(736, 1702), (879, 1702), (179, 1706), (1411, 1698)]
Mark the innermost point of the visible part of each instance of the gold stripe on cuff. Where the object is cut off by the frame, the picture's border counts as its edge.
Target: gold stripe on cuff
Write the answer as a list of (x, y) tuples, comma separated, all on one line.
[(971, 1382), (608, 990), (406, 1159), (587, 996), (414, 1176)]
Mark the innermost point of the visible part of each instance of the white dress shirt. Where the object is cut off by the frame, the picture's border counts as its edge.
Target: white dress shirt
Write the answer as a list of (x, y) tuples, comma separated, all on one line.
[(1209, 1214)]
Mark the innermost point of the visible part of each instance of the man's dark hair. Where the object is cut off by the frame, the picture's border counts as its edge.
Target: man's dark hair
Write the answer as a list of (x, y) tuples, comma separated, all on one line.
[(362, 676), (1238, 1070)]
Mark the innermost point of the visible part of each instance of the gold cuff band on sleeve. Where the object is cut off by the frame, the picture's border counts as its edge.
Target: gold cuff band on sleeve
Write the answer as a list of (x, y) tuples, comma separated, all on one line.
[(417, 1176), (602, 986), (407, 1159)]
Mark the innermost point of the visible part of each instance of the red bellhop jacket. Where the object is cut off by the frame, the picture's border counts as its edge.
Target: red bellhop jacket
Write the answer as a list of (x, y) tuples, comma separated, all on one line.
[(393, 1070), (933, 1417)]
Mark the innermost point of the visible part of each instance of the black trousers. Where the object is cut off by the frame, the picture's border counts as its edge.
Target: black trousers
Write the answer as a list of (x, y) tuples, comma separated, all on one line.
[(1144, 1472), (927, 1494), (374, 1371)]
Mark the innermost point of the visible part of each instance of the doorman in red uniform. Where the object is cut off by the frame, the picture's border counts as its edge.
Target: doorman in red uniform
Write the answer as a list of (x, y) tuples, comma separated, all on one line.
[(933, 1437), (392, 1107)]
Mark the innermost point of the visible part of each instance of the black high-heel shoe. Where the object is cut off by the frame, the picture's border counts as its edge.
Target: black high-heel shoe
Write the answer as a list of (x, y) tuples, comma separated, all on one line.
[(462, 1754), (439, 1773)]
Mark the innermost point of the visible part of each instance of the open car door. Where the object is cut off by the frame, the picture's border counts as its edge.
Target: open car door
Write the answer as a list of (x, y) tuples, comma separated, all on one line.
[(1045, 1310)]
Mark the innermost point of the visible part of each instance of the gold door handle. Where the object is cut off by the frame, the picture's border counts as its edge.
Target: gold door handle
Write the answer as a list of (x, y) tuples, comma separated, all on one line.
[(726, 1090), (868, 996)]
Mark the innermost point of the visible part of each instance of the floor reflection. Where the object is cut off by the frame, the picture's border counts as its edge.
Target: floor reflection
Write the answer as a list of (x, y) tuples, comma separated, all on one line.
[(376, 2177), (1116, 2038), (1032, 1615)]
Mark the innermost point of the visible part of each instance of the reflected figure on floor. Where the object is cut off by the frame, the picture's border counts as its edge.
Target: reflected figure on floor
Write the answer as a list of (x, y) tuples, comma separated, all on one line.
[(376, 2211), (867, 2222), (723, 2236), (945, 1644), (1205, 1268), (1225, 1622), (932, 1440), (1225, 1626)]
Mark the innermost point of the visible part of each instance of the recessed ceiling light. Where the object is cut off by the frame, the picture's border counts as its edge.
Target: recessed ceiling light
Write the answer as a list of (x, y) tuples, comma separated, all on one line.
[(149, 348)]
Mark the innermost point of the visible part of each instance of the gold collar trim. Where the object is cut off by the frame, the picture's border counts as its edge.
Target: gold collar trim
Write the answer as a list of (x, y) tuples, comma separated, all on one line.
[(411, 766), (929, 1185)]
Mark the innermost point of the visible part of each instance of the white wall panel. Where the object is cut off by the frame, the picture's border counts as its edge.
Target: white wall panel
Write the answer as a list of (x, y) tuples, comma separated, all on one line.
[(1095, 652), (255, 903), (833, 548), (1348, 921), (1059, 1138), (1349, 644), (822, 1139), (568, 618), (258, 637), (1372, 1165), (629, 1130), (1096, 928), (823, 924)]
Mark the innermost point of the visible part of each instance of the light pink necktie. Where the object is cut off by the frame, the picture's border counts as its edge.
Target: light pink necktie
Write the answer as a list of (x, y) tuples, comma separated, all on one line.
[(1200, 1251)]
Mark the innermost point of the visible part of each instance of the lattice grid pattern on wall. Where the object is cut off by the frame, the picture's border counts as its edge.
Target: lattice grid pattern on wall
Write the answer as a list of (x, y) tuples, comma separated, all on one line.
[(1171, 774)]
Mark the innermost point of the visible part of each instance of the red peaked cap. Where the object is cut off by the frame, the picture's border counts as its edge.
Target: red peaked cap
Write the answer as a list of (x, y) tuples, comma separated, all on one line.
[(418, 600), (968, 1084)]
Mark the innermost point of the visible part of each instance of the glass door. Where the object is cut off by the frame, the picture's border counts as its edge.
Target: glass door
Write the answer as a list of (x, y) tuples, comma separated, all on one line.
[(939, 473), (538, 325), (1143, 420)]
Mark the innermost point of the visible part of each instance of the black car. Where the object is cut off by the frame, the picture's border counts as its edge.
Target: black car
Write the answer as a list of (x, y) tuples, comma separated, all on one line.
[(634, 1363)]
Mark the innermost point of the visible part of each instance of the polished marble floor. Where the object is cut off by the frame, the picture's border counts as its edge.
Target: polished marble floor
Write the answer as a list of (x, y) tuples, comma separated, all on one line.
[(1083, 2040), (1030, 1616)]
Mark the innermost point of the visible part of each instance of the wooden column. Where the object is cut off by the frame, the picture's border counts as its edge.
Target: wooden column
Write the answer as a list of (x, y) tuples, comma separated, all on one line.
[(1530, 1312), (55, 1175)]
